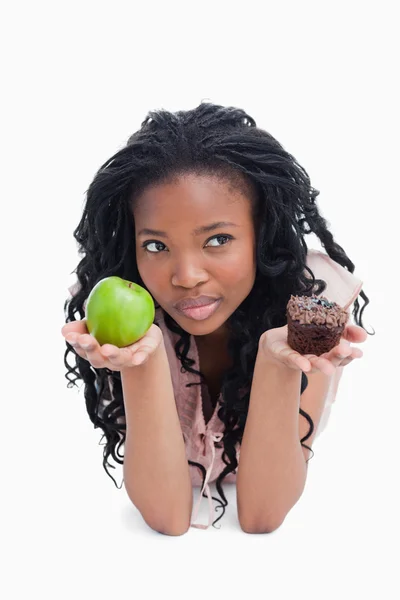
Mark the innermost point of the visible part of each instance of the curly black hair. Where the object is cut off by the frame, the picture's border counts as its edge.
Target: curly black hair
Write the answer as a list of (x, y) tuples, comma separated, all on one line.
[(226, 143)]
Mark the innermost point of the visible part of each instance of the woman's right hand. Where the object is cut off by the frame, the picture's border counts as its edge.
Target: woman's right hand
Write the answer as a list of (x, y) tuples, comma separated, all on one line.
[(108, 356)]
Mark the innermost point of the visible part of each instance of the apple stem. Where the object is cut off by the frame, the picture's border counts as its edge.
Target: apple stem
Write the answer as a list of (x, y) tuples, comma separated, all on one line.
[(130, 284)]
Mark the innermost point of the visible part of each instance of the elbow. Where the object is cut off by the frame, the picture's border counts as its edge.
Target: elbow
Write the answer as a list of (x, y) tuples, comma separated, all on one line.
[(257, 526), (258, 522), (256, 519), (167, 524), (168, 530)]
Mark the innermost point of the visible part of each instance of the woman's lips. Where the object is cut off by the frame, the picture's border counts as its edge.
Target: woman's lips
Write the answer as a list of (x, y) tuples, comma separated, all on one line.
[(199, 313)]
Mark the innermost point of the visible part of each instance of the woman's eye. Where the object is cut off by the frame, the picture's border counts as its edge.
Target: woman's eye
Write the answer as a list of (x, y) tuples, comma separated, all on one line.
[(218, 237), (146, 245)]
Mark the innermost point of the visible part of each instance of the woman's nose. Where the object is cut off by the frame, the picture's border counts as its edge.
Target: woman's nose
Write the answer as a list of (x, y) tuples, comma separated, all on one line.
[(186, 273)]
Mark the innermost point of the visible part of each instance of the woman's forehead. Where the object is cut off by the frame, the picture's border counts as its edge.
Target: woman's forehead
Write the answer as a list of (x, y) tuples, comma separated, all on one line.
[(191, 187), (199, 195)]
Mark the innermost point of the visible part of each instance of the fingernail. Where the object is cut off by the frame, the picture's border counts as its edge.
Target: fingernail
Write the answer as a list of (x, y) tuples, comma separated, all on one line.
[(139, 358)]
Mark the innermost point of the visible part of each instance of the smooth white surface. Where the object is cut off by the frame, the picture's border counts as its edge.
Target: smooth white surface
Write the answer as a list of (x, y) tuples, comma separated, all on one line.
[(79, 80)]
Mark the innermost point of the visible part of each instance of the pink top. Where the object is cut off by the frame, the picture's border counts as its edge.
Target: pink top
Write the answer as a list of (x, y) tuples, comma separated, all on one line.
[(200, 437)]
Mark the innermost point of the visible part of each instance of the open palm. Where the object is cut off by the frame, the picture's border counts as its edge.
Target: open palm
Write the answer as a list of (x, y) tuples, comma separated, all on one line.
[(107, 355), (274, 345)]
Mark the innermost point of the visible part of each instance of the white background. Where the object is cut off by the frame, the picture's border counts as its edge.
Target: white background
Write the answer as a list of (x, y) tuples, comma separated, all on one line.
[(78, 79)]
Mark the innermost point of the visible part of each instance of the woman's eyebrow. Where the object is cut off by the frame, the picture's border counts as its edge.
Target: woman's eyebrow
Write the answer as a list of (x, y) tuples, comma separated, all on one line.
[(197, 231)]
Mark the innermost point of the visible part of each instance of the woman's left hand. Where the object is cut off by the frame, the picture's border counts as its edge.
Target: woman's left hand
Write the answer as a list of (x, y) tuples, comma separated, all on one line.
[(273, 343)]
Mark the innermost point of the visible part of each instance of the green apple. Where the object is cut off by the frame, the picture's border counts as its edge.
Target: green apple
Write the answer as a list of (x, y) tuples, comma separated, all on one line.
[(118, 311)]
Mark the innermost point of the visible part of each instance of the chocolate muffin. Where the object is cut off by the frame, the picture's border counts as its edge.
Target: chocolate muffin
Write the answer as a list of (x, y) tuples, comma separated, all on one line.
[(315, 324)]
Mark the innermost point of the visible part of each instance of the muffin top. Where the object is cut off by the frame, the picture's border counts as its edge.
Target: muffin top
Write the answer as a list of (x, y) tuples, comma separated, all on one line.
[(316, 310)]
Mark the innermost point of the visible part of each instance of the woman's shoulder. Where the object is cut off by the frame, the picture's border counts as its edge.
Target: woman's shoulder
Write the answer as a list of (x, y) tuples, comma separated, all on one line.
[(342, 286)]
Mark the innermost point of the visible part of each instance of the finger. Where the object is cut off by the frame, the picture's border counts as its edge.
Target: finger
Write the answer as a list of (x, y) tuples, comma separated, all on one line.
[(72, 339), (78, 327), (92, 350), (311, 359), (144, 348), (351, 352), (354, 334), (118, 357), (300, 362), (109, 350), (357, 353), (79, 352), (324, 365), (139, 358), (143, 353), (290, 357), (329, 361), (341, 351), (346, 361), (338, 357)]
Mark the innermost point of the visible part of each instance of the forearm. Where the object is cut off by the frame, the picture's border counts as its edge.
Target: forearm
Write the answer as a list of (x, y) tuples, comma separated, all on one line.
[(272, 471), (156, 471)]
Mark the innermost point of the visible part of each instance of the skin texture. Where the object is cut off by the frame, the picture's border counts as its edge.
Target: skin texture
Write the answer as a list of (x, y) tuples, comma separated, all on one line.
[(190, 265), (274, 345), (272, 470), (183, 264)]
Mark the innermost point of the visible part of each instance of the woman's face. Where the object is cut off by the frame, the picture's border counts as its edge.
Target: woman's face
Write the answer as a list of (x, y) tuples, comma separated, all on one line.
[(176, 262)]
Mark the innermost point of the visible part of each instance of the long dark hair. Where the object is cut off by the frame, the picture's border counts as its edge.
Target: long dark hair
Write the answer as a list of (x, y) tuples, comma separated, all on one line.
[(224, 142)]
